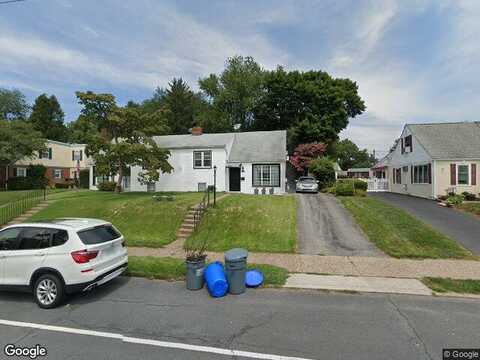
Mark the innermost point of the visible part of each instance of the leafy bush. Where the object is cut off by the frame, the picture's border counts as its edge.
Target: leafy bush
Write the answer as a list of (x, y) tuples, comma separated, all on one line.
[(62, 185), (85, 178), (359, 184), (344, 188), (323, 169), (454, 200), (35, 179), (360, 193), (469, 196), (107, 186)]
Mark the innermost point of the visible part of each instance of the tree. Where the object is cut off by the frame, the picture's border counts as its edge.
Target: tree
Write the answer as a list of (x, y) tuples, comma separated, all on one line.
[(47, 117), (14, 145), (350, 156), (179, 101), (304, 154), (235, 92), (124, 139), (81, 131), (13, 105), (324, 171), (312, 105)]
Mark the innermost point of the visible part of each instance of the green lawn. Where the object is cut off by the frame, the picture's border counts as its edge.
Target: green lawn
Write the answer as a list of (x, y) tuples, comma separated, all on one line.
[(473, 208), (399, 234), (167, 268), (451, 285), (142, 220), (10, 196), (264, 223)]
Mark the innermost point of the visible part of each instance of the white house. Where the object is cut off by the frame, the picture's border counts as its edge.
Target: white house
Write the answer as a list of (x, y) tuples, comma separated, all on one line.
[(245, 162), (430, 160)]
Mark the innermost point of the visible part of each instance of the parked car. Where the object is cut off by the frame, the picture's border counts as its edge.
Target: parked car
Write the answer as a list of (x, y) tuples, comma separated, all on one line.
[(59, 257), (306, 184)]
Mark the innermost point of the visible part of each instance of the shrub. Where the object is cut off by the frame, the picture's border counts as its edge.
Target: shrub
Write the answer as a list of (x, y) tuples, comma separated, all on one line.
[(107, 186), (360, 193), (469, 196), (359, 184), (62, 185), (323, 169), (35, 179), (85, 178), (454, 200), (344, 188)]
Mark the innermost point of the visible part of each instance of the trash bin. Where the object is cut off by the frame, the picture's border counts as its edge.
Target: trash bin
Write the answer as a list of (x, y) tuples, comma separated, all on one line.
[(195, 270), (235, 267), (215, 278)]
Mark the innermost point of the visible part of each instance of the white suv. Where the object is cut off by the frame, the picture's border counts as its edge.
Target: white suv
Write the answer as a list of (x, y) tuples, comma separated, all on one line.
[(59, 257)]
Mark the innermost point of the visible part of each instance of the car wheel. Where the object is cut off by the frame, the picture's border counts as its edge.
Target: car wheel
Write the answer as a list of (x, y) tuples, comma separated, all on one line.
[(49, 291)]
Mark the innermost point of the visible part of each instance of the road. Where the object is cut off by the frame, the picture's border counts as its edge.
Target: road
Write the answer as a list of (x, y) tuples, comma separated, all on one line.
[(302, 324), (461, 227), (325, 227)]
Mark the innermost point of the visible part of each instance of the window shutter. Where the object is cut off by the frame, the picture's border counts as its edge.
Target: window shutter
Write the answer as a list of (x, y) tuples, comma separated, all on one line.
[(81, 155), (403, 146), (73, 155), (66, 173), (411, 143), (40, 154), (14, 172), (474, 174), (50, 153), (411, 174), (394, 175), (429, 173), (453, 174)]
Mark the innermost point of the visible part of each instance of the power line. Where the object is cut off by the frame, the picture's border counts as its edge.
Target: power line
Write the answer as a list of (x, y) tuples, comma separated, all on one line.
[(10, 1)]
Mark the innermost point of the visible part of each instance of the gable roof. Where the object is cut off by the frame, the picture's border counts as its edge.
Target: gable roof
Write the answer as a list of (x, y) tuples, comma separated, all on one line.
[(255, 146), (459, 140)]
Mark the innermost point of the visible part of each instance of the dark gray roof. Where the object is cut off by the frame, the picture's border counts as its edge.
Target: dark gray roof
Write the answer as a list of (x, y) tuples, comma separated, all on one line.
[(259, 146), (255, 146), (449, 140)]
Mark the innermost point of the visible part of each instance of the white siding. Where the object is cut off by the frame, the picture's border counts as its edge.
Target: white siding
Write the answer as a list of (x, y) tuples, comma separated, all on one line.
[(247, 187)]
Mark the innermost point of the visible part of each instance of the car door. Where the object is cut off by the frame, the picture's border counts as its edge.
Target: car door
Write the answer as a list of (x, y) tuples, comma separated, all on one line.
[(8, 239), (25, 255)]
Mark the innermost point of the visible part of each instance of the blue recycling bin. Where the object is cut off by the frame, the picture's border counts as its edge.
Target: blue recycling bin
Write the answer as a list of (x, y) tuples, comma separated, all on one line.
[(216, 280)]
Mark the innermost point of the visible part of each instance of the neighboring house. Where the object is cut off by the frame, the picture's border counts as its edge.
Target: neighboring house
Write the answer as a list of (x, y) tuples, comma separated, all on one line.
[(338, 171), (430, 160), (245, 162), (359, 173), (62, 160)]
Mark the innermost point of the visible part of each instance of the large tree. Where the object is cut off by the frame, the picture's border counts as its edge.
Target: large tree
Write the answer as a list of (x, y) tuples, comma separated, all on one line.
[(13, 105), (234, 93), (350, 156), (47, 117), (312, 105), (124, 138), (15, 145)]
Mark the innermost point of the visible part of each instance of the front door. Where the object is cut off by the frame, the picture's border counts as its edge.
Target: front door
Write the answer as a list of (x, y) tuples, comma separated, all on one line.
[(234, 176)]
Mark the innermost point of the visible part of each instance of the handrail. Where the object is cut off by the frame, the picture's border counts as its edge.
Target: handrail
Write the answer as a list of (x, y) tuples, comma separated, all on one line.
[(201, 207)]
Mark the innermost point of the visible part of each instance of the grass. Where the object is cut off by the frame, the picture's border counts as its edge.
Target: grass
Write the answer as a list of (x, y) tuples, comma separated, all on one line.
[(264, 223), (167, 268), (450, 285), (11, 196), (473, 208), (142, 220), (399, 234)]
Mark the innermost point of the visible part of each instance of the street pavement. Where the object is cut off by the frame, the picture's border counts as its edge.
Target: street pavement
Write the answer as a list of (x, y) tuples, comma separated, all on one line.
[(262, 322)]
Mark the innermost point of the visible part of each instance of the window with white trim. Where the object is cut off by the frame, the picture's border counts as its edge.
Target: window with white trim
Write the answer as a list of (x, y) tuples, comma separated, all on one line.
[(463, 172), (420, 174), (21, 172), (266, 175), (202, 159), (57, 173)]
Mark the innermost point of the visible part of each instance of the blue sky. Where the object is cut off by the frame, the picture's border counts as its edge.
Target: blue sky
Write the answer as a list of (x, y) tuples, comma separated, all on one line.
[(414, 61)]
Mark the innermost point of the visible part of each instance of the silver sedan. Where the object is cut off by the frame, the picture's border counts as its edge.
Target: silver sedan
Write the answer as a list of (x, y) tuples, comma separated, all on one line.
[(306, 184)]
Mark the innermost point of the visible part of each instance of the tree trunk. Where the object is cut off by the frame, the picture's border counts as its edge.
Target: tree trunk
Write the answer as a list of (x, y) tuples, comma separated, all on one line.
[(118, 188)]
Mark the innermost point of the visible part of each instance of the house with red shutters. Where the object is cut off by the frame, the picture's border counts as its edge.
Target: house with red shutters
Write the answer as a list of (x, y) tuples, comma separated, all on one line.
[(62, 160), (431, 160)]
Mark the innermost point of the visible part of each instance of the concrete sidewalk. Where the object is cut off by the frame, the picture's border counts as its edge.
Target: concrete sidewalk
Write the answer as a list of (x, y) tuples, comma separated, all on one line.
[(345, 265)]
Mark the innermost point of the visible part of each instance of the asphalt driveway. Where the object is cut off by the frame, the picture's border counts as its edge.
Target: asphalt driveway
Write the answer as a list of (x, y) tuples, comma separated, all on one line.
[(325, 227), (461, 227)]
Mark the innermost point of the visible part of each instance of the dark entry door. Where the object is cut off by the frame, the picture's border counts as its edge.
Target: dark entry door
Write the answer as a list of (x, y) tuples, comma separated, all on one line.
[(234, 175)]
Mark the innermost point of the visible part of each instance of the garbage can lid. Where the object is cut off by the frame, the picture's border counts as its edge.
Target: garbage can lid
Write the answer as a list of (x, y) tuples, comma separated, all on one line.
[(253, 278), (236, 255)]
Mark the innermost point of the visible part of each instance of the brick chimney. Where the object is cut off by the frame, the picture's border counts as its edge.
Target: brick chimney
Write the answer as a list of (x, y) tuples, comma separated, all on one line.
[(197, 130)]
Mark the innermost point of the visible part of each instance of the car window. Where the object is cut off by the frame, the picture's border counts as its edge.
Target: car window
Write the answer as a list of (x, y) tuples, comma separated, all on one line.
[(9, 238), (59, 237), (34, 238), (98, 235)]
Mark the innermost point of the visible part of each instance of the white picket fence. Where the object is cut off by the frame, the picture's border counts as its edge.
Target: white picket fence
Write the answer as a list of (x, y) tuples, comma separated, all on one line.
[(376, 185)]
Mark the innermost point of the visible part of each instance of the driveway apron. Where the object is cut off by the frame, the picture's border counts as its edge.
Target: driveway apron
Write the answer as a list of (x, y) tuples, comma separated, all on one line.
[(461, 227), (325, 227)]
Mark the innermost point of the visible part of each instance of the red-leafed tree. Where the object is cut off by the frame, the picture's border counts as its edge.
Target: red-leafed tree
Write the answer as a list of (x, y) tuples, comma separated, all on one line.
[(305, 153)]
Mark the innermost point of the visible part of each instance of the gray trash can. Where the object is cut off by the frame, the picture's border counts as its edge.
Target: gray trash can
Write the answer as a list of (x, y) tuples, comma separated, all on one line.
[(235, 267), (195, 271)]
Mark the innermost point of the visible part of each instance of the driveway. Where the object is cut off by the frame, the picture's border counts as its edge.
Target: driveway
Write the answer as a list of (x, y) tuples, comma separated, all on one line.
[(142, 319), (325, 227), (463, 228)]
